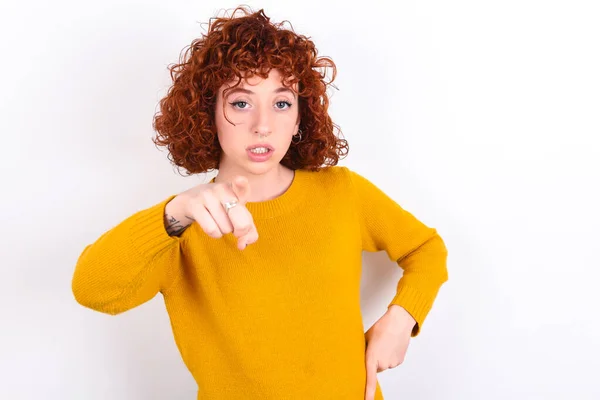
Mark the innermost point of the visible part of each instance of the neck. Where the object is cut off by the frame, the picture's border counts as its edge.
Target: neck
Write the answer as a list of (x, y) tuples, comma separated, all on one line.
[(263, 187)]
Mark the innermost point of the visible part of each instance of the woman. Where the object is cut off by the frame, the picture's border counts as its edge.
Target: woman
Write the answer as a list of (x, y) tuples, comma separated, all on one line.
[(260, 268)]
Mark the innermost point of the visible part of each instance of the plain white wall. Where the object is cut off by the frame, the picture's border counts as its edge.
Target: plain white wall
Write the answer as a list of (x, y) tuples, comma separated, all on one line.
[(482, 118)]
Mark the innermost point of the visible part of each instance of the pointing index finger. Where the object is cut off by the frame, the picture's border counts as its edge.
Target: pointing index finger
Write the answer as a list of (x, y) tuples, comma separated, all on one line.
[(371, 385), (241, 189)]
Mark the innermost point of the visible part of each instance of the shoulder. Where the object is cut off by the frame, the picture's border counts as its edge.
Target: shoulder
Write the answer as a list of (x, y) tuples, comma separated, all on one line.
[(332, 176), (332, 172), (343, 180), (340, 175), (334, 181)]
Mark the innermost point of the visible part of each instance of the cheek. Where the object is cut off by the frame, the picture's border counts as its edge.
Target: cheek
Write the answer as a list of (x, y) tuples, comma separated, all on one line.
[(226, 139), (226, 132), (286, 123)]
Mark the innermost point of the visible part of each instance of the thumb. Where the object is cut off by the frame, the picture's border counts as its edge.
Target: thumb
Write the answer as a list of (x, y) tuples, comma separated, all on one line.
[(371, 385), (241, 188)]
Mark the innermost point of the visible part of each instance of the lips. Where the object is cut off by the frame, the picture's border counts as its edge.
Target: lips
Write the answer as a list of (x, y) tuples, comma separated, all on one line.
[(265, 145)]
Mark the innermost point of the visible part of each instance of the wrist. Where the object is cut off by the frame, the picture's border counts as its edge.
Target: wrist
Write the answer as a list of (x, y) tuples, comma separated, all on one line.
[(400, 313), (178, 205)]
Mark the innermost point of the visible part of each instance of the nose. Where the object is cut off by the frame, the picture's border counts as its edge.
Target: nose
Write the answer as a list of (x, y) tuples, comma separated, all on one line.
[(263, 124)]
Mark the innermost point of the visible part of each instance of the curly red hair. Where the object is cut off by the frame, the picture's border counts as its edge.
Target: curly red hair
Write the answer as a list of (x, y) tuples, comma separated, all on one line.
[(239, 47)]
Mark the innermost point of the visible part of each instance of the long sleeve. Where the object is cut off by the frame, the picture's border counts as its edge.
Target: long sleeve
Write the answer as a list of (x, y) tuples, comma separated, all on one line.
[(418, 249), (129, 264)]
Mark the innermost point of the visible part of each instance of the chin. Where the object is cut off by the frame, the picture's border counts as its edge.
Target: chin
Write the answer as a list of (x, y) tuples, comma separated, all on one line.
[(260, 168)]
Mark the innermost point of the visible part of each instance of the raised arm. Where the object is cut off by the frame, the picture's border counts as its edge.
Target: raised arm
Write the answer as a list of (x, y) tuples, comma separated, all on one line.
[(130, 263)]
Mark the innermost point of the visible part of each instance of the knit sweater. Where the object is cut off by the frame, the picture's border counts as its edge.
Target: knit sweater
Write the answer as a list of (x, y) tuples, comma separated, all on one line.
[(280, 320)]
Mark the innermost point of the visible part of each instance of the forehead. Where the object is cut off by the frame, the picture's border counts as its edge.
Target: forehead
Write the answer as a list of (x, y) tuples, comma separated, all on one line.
[(253, 81)]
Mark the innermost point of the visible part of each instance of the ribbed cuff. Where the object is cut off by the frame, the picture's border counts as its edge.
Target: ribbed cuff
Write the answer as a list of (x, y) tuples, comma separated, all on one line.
[(148, 233), (416, 302)]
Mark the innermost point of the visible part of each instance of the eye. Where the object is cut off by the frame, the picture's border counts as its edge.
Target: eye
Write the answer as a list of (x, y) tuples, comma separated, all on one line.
[(282, 105), (239, 104)]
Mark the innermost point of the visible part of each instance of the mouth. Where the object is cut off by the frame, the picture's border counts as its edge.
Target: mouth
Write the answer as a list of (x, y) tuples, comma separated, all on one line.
[(260, 152), (260, 149)]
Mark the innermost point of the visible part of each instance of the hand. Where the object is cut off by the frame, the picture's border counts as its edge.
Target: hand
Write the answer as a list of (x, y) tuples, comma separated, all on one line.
[(205, 204), (387, 342)]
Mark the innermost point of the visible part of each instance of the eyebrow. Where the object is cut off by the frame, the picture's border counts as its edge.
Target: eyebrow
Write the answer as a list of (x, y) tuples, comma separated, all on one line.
[(279, 90)]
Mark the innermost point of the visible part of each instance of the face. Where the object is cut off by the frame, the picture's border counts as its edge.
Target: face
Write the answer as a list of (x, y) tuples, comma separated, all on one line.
[(264, 114)]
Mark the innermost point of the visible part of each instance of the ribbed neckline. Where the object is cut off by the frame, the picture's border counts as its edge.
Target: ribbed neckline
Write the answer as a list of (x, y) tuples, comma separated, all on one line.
[(285, 202)]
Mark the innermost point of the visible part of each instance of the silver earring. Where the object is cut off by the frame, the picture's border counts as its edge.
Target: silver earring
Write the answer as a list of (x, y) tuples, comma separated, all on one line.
[(299, 136)]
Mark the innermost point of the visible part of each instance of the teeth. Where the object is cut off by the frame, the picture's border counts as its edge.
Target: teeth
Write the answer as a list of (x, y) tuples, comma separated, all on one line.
[(259, 150)]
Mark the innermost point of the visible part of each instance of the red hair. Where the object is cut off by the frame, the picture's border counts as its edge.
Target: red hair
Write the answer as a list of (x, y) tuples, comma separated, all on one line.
[(235, 48)]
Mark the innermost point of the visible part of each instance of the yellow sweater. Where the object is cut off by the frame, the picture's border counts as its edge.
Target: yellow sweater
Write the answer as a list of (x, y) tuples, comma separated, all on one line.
[(280, 320)]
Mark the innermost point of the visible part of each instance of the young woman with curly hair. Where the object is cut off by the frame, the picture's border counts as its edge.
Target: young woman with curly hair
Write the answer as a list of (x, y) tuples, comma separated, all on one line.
[(260, 268)]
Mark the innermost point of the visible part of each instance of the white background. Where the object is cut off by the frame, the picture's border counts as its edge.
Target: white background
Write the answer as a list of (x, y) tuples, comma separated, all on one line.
[(480, 117)]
